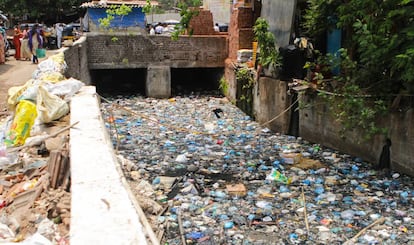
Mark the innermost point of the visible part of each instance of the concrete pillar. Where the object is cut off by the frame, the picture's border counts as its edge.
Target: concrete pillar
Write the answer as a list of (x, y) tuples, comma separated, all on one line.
[(158, 83)]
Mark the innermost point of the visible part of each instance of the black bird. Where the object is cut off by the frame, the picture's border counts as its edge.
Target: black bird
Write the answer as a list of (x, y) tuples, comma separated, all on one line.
[(217, 112)]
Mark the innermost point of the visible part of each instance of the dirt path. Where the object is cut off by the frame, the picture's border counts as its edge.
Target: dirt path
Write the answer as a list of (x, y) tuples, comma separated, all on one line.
[(15, 73)]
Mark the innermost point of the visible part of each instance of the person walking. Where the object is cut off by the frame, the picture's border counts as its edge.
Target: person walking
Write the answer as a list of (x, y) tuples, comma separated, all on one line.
[(35, 42), (59, 32), (25, 53), (18, 35), (2, 50), (3, 40)]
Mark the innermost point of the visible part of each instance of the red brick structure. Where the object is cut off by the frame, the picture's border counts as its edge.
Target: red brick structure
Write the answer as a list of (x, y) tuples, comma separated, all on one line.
[(202, 24), (240, 30)]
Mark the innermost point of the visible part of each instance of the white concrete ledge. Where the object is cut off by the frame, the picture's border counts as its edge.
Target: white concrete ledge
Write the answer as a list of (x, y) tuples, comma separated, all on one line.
[(101, 209)]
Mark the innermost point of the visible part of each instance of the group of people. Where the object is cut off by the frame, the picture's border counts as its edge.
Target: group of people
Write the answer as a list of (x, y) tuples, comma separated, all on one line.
[(3, 44), (158, 29), (27, 41)]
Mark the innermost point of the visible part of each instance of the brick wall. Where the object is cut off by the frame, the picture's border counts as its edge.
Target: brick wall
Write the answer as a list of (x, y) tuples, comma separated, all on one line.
[(202, 24), (240, 30), (140, 51)]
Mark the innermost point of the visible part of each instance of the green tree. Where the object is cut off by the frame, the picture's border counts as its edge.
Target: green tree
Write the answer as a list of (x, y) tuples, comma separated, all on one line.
[(41, 9), (377, 59), (188, 9), (379, 38), (112, 12), (269, 55)]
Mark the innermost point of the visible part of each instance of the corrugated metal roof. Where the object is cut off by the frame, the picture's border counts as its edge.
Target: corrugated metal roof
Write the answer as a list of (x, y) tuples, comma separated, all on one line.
[(105, 3)]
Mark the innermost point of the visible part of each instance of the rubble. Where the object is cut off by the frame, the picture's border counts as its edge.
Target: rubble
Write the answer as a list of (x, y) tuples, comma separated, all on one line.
[(34, 158), (30, 197), (227, 180)]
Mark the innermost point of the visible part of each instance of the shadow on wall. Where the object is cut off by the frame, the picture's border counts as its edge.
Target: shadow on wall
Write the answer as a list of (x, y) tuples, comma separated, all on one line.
[(195, 80), (119, 81)]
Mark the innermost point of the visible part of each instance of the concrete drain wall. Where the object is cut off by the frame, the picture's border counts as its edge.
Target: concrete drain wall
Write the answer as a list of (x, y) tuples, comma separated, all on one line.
[(103, 210)]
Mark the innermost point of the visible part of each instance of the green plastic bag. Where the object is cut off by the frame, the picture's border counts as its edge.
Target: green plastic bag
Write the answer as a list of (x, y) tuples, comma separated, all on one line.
[(41, 53), (277, 176)]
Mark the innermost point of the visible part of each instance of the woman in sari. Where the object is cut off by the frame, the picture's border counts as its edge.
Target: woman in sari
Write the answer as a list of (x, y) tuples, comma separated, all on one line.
[(2, 44), (2, 50), (35, 42), (24, 49), (16, 41)]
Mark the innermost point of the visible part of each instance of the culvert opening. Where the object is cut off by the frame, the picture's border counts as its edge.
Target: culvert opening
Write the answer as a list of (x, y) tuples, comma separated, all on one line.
[(119, 81), (186, 81)]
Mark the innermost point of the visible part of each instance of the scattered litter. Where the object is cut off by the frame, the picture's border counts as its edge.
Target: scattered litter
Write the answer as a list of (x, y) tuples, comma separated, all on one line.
[(232, 182)]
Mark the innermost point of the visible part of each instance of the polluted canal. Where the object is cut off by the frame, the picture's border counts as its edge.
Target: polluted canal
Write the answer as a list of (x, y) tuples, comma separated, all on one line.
[(205, 173)]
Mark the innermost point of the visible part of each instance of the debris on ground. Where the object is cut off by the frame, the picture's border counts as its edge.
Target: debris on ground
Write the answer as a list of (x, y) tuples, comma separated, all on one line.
[(208, 179), (34, 158)]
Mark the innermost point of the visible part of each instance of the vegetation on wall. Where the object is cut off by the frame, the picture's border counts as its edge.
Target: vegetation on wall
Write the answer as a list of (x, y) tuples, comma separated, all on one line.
[(269, 55), (187, 11), (376, 60), (224, 86), (245, 85), (152, 9)]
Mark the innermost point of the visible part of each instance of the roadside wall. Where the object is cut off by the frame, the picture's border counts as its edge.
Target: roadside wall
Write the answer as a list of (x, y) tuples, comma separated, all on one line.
[(76, 58)]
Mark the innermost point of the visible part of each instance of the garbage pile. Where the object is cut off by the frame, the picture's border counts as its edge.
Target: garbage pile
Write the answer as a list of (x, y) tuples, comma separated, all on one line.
[(34, 157), (205, 173)]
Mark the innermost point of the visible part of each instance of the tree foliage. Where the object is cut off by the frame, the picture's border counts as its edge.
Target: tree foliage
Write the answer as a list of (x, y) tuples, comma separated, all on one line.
[(188, 9), (41, 9), (112, 12), (376, 61), (380, 39), (269, 55)]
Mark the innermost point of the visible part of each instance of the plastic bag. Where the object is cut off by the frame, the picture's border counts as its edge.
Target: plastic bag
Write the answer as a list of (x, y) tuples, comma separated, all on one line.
[(41, 53), (50, 107), (51, 77), (22, 123), (31, 91), (65, 89), (55, 63), (15, 93), (58, 58), (275, 175)]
